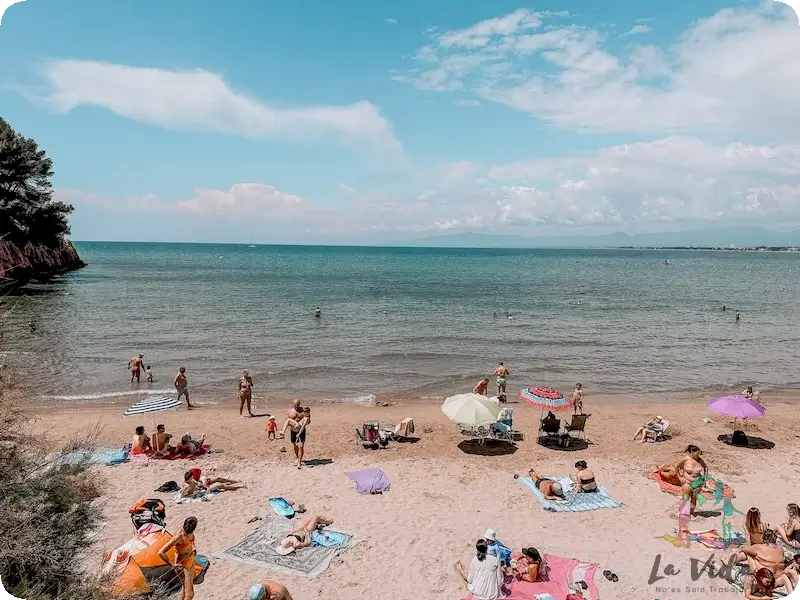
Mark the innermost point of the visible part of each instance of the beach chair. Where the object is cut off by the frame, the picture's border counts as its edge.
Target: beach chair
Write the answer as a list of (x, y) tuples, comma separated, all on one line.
[(578, 427), (503, 429), (479, 433), (404, 430), (657, 434), (369, 435), (549, 428)]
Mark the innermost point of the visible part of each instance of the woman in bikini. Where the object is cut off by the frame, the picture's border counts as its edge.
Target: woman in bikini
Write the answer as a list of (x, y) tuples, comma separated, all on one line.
[(300, 537), (194, 487), (767, 555), (753, 527), (584, 479), (789, 532), (531, 566), (183, 543), (691, 472)]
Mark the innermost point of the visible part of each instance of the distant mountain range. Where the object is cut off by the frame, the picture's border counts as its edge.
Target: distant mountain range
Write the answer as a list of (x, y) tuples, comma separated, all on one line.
[(739, 237)]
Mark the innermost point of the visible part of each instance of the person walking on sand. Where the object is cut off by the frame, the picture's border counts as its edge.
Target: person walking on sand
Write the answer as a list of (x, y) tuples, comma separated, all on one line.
[(136, 364), (501, 373), (298, 431), (577, 399), (245, 393), (183, 542), (182, 385)]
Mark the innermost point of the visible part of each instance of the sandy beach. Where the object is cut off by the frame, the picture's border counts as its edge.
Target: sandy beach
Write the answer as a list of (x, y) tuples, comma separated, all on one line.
[(442, 498)]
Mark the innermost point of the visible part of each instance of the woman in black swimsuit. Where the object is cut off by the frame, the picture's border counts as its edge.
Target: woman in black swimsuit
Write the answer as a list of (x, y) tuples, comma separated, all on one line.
[(584, 479), (300, 537)]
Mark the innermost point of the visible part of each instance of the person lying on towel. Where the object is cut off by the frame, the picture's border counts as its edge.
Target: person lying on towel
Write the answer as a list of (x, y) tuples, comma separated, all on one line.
[(551, 490), (267, 589), (194, 486), (300, 537), (190, 446)]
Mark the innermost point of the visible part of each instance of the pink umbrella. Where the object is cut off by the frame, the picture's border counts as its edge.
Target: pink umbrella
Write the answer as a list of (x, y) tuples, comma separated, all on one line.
[(737, 407)]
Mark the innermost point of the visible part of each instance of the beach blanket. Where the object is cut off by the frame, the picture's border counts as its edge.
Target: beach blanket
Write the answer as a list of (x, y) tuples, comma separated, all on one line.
[(206, 449), (712, 539), (574, 502), (95, 456), (561, 573), (371, 481), (258, 549), (204, 497), (674, 488), (327, 538)]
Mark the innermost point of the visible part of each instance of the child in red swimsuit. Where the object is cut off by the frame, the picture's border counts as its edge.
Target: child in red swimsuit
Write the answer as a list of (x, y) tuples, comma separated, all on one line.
[(272, 428)]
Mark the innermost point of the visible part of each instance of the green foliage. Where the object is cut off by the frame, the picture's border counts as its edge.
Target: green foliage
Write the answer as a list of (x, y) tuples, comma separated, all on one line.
[(28, 212)]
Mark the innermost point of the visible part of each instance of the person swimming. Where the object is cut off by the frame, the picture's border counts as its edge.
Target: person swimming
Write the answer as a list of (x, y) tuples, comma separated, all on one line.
[(318, 313)]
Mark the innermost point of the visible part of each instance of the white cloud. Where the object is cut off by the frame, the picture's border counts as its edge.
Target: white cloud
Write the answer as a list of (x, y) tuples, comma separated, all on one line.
[(637, 29), (633, 187), (391, 21), (200, 100), (346, 189), (733, 73)]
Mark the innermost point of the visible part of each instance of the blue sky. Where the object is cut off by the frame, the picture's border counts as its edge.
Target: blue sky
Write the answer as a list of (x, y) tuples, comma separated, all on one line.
[(363, 121)]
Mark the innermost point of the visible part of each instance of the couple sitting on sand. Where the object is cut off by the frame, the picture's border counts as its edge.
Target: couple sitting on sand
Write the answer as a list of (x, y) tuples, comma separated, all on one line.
[(789, 532)]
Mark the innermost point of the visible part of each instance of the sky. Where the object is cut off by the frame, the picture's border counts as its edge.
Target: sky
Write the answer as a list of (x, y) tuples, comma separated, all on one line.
[(368, 122)]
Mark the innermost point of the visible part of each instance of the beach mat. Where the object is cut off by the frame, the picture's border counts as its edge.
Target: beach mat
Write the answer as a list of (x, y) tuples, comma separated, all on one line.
[(206, 449), (258, 549), (207, 497), (371, 481), (753, 442), (574, 502), (675, 489), (561, 572), (95, 456), (281, 507)]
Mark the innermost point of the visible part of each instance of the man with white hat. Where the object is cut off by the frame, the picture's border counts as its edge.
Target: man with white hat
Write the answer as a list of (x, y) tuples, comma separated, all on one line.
[(268, 590)]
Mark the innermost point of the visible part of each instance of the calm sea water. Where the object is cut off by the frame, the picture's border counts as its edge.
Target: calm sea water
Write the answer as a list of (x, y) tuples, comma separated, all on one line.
[(416, 322)]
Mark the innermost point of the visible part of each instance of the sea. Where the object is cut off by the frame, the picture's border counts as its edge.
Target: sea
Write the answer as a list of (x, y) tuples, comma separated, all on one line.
[(404, 322)]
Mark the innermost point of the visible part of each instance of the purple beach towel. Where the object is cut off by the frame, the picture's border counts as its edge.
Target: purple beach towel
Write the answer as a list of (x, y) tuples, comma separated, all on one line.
[(371, 481)]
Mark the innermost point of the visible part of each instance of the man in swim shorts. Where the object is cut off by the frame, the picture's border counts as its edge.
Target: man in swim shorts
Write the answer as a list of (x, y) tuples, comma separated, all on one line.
[(136, 364), (245, 393), (501, 373), (182, 385), (297, 435)]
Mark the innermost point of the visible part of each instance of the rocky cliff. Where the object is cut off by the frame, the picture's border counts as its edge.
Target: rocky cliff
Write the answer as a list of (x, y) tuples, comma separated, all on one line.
[(19, 266)]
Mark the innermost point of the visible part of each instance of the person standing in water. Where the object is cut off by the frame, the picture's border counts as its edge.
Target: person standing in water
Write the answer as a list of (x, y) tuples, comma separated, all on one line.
[(182, 385), (245, 393), (318, 313), (737, 316), (501, 373), (136, 364)]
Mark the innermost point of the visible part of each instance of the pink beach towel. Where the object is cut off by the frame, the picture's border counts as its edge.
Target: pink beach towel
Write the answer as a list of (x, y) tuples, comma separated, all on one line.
[(561, 573)]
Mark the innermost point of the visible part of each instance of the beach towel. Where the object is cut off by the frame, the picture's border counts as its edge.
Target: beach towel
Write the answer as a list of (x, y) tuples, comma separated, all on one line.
[(202, 497), (674, 488), (206, 449), (574, 502), (371, 481), (327, 538), (258, 549), (95, 456), (561, 573), (712, 539)]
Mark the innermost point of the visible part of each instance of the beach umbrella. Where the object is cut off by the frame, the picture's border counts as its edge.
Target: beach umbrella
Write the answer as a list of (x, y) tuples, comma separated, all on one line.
[(545, 398), (471, 409), (152, 405), (737, 407)]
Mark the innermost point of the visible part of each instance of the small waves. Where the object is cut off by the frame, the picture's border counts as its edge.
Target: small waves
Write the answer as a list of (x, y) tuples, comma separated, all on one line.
[(105, 395), (367, 399)]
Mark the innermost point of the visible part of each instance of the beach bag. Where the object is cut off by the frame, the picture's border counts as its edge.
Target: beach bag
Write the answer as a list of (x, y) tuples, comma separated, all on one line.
[(739, 438), (150, 510), (203, 563), (170, 486)]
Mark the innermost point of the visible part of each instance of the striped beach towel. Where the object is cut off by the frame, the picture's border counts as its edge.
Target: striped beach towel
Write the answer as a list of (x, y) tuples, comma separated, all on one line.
[(574, 502), (149, 405)]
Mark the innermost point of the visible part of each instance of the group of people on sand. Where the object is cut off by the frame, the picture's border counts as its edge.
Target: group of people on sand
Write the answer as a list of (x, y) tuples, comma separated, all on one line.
[(159, 444), (765, 557), (136, 366)]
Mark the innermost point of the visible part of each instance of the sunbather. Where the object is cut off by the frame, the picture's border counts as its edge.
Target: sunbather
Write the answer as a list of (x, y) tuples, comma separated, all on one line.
[(267, 589), (584, 479), (193, 487), (792, 570), (691, 472), (551, 490), (300, 537), (530, 566), (753, 527), (760, 585), (140, 443), (652, 425), (766, 555), (190, 446), (789, 532)]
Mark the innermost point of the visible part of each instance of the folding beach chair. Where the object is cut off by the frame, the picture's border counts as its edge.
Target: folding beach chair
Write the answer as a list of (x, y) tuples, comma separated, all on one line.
[(369, 436), (549, 429), (657, 434), (578, 427)]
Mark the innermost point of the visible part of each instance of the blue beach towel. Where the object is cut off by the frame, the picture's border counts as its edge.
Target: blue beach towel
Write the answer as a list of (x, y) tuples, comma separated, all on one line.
[(328, 539), (574, 502)]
